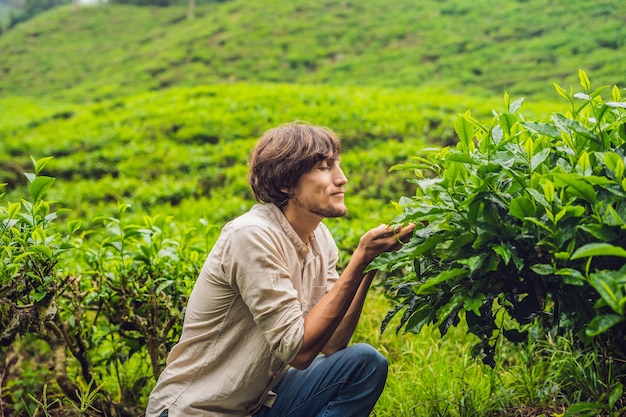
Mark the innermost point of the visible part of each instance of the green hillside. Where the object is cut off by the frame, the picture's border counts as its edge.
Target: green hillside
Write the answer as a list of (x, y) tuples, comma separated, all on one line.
[(477, 46)]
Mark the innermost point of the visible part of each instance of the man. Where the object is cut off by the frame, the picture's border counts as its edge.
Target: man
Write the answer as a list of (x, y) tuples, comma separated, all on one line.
[(269, 299)]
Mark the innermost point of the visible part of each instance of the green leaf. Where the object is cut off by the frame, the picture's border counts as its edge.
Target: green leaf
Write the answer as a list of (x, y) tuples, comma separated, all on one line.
[(615, 163), (584, 164), (474, 303), (616, 95), (44, 250), (504, 253), (548, 190), (576, 185), (522, 207), (543, 128), (576, 409), (425, 246), (409, 165), (465, 130), (561, 91), (616, 394), (568, 212), (516, 105), (571, 276), (573, 126), (599, 231), (462, 240), (38, 295), (30, 176), (507, 121), (40, 164), (73, 226), (39, 186), (612, 217), (515, 335), (598, 249), (448, 313), (13, 209), (539, 158), (164, 285), (601, 324), (442, 277), (606, 283), (419, 319), (584, 80), (461, 157), (542, 269), (539, 197)]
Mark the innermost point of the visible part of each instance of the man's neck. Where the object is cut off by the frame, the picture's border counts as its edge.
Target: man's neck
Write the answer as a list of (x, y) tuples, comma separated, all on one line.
[(302, 221)]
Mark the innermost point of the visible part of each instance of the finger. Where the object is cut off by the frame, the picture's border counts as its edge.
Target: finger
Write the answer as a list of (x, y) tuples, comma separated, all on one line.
[(404, 233)]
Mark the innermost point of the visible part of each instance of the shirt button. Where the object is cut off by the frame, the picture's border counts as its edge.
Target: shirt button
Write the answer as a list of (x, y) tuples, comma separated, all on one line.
[(305, 249)]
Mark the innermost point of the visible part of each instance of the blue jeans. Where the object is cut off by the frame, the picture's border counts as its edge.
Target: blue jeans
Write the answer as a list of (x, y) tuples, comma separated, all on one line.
[(345, 384)]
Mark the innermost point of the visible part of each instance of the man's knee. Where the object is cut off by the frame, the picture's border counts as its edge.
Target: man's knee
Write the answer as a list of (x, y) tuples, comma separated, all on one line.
[(370, 359)]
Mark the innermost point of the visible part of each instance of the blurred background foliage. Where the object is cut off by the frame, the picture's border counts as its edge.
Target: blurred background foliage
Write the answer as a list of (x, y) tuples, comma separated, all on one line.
[(482, 46)]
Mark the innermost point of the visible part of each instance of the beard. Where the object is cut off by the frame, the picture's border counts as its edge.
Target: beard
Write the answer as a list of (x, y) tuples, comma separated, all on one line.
[(327, 211)]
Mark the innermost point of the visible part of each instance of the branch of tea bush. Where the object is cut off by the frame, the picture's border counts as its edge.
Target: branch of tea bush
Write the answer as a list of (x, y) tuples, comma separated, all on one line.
[(30, 249)]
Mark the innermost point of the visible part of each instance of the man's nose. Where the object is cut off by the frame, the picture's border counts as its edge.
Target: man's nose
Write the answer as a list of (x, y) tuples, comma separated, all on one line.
[(341, 178)]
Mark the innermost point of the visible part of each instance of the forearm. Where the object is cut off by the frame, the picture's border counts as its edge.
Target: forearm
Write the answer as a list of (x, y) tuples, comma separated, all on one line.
[(337, 313), (323, 321), (341, 337)]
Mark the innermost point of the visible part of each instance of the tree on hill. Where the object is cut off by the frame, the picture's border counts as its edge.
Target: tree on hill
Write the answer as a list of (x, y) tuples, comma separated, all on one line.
[(32, 8)]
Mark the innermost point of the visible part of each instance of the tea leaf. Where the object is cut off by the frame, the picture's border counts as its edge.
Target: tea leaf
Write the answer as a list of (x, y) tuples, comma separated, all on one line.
[(522, 207), (39, 186), (598, 249), (465, 130), (584, 80), (601, 324)]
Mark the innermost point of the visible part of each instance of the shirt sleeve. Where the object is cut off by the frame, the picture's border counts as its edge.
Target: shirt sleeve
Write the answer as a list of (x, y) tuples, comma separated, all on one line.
[(257, 266), (328, 243)]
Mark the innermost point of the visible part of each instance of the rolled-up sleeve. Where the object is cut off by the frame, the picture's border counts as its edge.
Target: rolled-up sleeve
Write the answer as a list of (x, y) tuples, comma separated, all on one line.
[(257, 264), (332, 254)]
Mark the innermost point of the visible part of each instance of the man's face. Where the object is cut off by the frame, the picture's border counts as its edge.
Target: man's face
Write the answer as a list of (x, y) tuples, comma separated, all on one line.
[(320, 191)]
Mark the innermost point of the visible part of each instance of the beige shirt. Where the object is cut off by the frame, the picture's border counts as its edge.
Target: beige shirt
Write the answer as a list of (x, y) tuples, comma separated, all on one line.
[(245, 318)]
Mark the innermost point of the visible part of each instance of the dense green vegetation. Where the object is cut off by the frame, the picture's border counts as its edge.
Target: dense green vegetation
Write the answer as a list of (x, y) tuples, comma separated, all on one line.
[(172, 148), (149, 118), (480, 46), (522, 232)]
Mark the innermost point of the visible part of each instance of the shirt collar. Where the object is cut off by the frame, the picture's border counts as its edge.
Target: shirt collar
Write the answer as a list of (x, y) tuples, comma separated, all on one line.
[(302, 248)]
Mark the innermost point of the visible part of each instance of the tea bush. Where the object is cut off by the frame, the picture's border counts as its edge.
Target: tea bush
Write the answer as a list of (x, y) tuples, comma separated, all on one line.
[(522, 226)]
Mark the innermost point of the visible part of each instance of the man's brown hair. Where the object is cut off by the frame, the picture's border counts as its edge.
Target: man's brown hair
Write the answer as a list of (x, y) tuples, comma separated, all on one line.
[(283, 154)]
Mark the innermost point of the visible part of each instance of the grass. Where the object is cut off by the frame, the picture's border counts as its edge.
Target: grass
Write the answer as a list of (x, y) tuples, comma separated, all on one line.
[(430, 376)]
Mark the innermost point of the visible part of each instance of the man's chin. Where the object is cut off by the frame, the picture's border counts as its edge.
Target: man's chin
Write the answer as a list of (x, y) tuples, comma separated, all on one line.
[(329, 214), (337, 213)]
